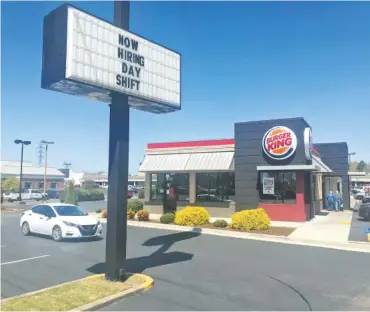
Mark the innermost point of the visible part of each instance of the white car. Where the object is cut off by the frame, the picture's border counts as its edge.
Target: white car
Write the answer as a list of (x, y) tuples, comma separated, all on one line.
[(60, 221)]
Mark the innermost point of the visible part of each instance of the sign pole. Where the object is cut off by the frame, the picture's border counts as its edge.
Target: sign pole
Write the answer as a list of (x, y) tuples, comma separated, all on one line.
[(119, 126)]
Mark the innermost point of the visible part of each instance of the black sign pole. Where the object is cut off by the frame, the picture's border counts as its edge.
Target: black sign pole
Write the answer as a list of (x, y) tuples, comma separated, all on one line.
[(119, 126)]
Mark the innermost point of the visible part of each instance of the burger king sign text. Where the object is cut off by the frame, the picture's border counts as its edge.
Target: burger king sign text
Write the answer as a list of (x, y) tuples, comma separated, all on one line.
[(279, 143)]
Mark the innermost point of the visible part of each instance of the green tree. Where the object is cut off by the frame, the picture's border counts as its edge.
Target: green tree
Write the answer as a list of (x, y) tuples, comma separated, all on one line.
[(70, 194), (361, 166), (88, 185), (10, 184)]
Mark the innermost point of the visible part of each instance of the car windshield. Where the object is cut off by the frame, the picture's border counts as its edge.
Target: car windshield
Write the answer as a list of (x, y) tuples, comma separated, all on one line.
[(69, 210)]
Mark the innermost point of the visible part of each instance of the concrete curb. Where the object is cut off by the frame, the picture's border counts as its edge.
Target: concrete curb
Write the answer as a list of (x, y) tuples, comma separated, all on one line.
[(146, 285), (350, 246)]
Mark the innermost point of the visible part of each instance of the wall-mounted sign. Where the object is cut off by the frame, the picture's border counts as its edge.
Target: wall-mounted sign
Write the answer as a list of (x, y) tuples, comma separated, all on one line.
[(268, 186), (308, 145), (279, 143), (86, 56)]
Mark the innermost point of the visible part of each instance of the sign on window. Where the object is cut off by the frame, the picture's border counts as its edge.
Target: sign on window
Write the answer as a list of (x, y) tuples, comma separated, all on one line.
[(268, 186)]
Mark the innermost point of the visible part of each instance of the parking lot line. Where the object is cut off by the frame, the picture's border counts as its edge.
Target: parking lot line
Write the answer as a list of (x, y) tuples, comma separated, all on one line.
[(26, 259)]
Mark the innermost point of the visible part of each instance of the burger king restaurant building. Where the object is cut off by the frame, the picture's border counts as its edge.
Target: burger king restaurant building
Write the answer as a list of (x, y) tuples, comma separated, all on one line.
[(271, 164)]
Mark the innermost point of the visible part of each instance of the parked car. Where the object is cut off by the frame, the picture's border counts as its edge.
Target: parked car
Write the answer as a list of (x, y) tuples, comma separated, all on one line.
[(54, 194), (25, 195), (60, 221), (364, 211), (130, 194)]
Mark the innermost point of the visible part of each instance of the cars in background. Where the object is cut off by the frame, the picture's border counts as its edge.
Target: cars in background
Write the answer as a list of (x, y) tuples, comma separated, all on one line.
[(52, 194), (364, 211), (130, 194), (60, 221), (25, 195)]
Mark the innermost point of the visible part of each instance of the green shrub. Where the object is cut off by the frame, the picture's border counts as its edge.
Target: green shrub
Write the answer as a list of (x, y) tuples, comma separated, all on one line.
[(141, 193), (98, 210), (90, 194), (143, 215), (134, 205), (191, 216), (250, 219), (167, 218), (70, 195), (220, 223)]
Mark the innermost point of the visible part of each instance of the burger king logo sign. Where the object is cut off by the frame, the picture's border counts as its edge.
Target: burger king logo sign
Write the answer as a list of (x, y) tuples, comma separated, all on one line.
[(279, 143)]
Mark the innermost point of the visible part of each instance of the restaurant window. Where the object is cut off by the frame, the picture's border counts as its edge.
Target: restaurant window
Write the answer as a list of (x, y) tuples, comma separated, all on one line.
[(27, 185), (277, 187), (162, 182), (215, 187), (40, 185), (53, 186)]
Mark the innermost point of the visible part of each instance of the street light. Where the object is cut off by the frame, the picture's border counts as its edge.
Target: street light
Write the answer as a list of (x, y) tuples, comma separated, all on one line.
[(21, 174), (349, 156), (46, 143)]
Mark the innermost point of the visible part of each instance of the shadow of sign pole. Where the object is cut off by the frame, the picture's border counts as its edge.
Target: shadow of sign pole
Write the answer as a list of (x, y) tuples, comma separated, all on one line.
[(119, 127)]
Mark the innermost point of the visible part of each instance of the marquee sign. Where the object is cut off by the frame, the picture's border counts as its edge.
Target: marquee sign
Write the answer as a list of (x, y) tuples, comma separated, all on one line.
[(87, 56), (279, 143)]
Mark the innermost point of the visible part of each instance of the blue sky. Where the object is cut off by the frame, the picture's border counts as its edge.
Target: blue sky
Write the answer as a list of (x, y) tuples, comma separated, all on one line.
[(241, 61)]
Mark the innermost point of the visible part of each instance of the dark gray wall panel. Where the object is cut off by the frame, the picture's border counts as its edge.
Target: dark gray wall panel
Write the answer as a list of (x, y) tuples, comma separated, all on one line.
[(249, 155)]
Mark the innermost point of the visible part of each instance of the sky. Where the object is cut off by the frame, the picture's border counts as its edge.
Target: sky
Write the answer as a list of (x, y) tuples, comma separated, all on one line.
[(241, 61)]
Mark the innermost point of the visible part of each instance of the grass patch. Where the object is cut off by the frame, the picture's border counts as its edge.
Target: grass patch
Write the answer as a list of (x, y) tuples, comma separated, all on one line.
[(70, 296)]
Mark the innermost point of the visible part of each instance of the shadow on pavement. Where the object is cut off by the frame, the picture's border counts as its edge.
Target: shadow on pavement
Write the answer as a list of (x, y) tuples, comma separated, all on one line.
[(159, 257)]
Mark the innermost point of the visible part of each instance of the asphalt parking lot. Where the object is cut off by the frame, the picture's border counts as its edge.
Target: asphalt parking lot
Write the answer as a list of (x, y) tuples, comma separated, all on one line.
[(195, 272), (358, 225)]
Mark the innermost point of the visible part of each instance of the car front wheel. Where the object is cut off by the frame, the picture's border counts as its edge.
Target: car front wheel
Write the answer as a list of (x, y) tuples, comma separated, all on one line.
[(26, 229), (57, 234)]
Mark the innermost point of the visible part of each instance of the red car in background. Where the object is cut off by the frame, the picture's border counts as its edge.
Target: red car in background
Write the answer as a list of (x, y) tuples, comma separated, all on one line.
[(129, 194)]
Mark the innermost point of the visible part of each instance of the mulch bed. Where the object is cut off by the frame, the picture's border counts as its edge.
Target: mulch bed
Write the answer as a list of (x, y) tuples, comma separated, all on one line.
[(274, 230)]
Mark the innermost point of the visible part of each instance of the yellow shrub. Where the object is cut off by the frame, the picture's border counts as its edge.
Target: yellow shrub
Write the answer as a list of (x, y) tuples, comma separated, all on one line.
[(104, 214), (191, 216), (250, 219)]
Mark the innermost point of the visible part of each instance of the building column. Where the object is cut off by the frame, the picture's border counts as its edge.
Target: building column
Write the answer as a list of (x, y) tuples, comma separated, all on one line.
[(192, 187), (147, 186)]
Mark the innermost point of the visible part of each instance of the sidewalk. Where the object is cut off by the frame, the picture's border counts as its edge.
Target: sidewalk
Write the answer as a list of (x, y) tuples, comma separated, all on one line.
[(330, 231), (333, 227)]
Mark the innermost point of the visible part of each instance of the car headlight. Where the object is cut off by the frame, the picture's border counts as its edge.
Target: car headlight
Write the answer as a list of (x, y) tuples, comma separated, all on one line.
[(70, 223)]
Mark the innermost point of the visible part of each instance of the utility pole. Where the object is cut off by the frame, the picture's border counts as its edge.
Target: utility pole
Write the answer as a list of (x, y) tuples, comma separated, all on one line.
[(46, 144), (67, 165), (21, 173), (40, 153)]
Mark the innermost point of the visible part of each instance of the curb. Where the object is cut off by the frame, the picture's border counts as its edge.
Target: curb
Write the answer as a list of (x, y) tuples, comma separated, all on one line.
[(146, 285), (349, 246)]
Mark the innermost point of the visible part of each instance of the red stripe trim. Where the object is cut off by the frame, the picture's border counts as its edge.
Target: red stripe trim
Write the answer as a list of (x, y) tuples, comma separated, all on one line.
[(191, 144)]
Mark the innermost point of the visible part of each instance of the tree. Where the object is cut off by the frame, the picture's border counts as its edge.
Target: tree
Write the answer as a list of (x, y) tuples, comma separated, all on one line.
[(353, 166), (89, 184), (10, 184), (361, 166), (70, 194)]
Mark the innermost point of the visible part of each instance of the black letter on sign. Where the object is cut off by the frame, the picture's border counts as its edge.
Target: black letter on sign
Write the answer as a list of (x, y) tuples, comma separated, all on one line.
[(134, 44), (120, 39)]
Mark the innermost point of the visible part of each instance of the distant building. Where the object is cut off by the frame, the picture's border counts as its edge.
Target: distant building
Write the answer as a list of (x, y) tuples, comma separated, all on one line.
[(33, 176)]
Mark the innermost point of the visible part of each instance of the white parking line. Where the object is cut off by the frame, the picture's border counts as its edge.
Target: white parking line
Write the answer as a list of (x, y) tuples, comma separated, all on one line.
[(27, 259)]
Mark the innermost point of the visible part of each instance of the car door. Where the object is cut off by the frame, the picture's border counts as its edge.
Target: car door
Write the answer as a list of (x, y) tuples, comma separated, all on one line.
[(35, 219), (48, 220)]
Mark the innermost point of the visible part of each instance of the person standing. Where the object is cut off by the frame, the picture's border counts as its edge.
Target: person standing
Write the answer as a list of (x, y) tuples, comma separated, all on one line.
[(338, 201), (330, 199)]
